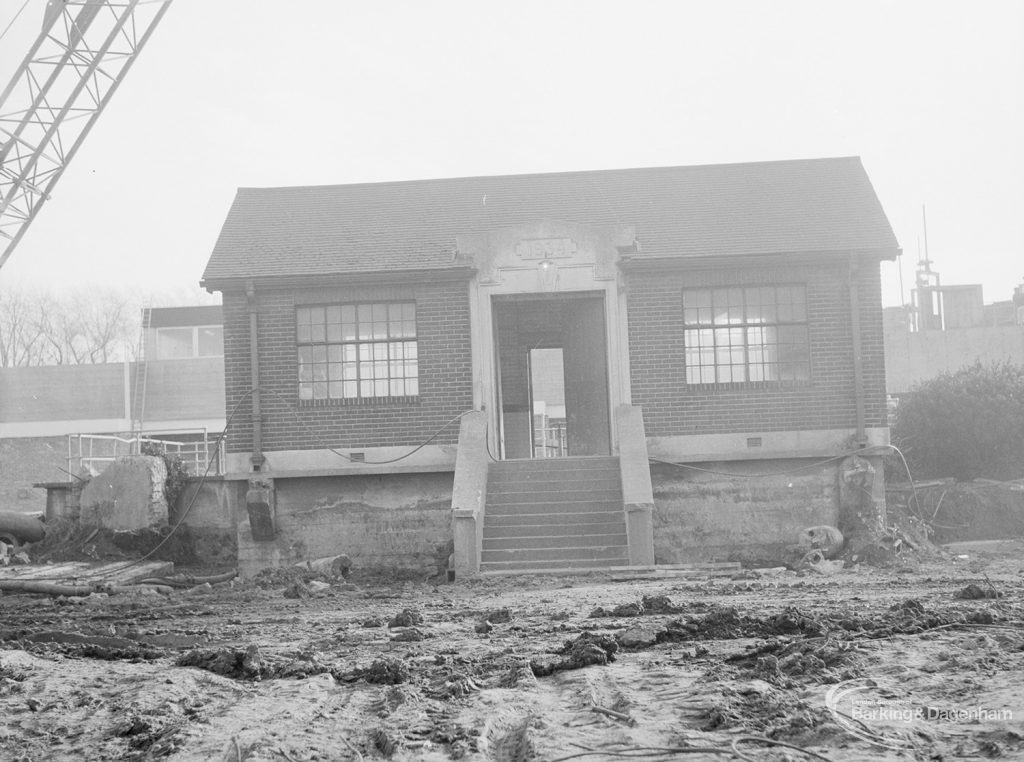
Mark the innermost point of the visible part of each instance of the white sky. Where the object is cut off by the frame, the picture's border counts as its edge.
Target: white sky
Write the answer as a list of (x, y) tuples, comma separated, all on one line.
[(235, 93)]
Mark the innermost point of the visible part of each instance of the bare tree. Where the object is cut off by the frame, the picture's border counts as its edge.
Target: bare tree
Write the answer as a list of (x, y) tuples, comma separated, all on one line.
[(107, 323), (39, 328), (21, 340)]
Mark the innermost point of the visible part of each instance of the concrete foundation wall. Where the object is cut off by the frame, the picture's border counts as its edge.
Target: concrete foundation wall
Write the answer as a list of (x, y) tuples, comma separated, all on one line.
[(701, 516), (25, 461), (215, 507), (387, 523), (211, 520)]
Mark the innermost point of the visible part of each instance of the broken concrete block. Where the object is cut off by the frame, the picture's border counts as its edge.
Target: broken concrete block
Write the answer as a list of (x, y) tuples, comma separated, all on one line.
[(21, 558), (129, 494), (332, 566), (827, 539), (641, 636)]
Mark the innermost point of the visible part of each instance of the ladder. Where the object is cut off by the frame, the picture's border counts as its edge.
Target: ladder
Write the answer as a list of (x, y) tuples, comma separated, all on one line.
[(138, 390)]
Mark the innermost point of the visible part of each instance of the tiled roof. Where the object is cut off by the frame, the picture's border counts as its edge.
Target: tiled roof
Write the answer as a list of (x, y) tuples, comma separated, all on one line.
[(814, 205)]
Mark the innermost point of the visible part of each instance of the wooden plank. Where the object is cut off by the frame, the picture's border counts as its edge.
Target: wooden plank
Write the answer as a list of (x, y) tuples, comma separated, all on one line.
[(128, 572), (118, 573), (64, 571)]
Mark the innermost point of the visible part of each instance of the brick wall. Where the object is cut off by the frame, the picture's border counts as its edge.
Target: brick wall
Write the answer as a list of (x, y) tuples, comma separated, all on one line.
[(445, 372), (826, 401)]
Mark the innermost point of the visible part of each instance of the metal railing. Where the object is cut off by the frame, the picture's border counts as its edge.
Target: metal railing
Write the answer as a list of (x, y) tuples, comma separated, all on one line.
[(551, 441), (197, 450)]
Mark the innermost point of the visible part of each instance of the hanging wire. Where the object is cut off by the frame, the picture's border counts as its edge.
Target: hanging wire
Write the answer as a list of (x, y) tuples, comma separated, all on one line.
[(320, 441), (781, 472), (8, 27)]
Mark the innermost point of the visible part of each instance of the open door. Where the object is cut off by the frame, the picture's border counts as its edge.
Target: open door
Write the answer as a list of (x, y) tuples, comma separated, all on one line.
[(586, 377), (547, 403), (552, 375)]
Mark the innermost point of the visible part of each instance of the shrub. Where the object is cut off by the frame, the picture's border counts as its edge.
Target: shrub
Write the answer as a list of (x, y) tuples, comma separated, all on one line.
[(177, 474), (965, 425)]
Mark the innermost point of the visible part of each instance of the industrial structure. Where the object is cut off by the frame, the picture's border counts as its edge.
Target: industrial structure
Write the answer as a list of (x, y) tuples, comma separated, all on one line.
[(80, 57)]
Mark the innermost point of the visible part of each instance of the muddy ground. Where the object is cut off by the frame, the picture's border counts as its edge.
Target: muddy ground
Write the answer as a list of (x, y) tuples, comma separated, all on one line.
[(591, 667)]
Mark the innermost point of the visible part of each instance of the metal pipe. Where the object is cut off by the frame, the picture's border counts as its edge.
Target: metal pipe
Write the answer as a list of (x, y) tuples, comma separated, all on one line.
[(54, 588), (254, 363), (858, 360)]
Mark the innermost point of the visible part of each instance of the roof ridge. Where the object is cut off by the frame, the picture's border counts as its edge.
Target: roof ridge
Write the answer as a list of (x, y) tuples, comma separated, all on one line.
[(567, 173), (743, 208)]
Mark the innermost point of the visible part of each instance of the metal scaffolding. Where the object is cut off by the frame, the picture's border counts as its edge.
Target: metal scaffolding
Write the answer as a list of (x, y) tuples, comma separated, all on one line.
[(72, 70)]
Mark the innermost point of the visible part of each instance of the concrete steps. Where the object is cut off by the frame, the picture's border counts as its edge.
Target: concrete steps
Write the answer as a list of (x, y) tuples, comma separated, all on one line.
[(554, 513)]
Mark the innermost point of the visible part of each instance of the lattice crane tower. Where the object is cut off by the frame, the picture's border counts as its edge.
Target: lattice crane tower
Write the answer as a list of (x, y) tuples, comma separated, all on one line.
[(71, 72)]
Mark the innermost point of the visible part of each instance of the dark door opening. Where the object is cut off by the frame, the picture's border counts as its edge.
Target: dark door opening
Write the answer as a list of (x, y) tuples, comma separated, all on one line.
[(552, 382)]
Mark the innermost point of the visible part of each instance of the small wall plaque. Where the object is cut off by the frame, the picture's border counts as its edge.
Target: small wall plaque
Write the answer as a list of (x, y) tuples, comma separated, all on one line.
[(546, 248)]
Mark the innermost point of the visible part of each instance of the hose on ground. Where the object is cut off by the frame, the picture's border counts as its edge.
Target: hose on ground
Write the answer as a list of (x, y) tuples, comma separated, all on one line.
[(188, 580), (55, 588)]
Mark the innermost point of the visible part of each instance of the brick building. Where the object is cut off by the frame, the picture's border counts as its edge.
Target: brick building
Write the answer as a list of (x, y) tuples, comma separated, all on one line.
[(572, 369)]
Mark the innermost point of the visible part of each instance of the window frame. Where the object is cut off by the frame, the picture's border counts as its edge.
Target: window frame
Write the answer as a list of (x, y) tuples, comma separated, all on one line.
[(362, 355), (788, 316), (194, 330)]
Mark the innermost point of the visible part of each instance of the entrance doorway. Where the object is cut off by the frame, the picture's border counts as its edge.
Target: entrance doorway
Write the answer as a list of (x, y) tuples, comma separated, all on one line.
[(552, 375), (549, 432)]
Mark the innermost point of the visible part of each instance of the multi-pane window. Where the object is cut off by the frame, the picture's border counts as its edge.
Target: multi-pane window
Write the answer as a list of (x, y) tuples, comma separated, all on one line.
[(754, 333), (357, 351), (189, 341)]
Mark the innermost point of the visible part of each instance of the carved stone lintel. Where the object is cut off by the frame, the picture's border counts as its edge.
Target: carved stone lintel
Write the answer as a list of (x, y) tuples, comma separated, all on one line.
[(569, 245)]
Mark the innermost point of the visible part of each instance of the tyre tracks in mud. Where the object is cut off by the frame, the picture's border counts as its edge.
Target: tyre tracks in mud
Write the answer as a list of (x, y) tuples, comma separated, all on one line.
[(751, 655)]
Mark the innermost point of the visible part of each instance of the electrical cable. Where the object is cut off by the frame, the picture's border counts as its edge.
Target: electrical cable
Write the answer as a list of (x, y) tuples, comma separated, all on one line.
[(487, 446), (643, 752), (217, 443), (184, 514), (783, 472), (198, 488), (8, 27), (770, 742), (910, 477), (321, 442)]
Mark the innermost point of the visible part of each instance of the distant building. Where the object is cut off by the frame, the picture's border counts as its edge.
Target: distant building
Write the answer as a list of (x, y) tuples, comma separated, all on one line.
[(948, 327), (179, 333), (54, 417)]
